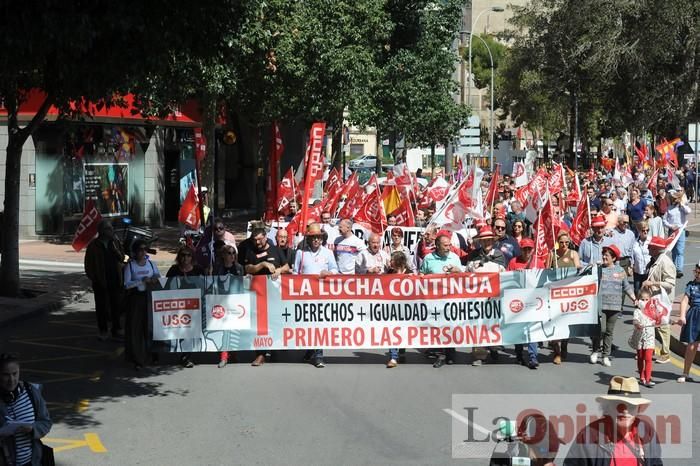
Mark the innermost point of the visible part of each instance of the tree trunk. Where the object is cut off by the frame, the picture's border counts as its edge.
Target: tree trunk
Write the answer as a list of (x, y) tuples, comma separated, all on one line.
[(9, 273), (337, 144), (9, 269)]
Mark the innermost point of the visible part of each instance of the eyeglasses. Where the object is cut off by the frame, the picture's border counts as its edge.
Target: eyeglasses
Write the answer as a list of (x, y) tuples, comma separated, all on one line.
[(499, 227), (517, 225), (314, 237), (644, 231)]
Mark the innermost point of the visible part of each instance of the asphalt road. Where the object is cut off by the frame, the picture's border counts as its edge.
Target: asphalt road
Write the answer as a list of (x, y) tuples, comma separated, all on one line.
[(352, 412)]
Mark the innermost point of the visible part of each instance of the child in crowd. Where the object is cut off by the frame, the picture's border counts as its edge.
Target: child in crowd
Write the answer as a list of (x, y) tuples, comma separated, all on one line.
[(643, 339)]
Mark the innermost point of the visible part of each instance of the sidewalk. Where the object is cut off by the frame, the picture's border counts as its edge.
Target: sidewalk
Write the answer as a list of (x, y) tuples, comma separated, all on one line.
[(49, 292)]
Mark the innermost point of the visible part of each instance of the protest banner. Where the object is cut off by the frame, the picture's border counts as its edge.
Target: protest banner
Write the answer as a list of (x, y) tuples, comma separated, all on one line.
[(380, 311)]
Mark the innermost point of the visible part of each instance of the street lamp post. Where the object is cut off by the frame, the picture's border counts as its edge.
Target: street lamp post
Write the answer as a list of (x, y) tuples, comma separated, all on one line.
[(492, 90), (495, 8)]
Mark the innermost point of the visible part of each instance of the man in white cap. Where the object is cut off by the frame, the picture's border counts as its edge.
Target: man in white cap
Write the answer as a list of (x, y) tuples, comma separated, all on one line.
[(620, 436), (315, 259)]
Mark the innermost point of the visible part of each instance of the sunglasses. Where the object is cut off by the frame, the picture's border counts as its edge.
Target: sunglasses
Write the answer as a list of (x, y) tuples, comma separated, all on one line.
[(314, 237), (499, 228)]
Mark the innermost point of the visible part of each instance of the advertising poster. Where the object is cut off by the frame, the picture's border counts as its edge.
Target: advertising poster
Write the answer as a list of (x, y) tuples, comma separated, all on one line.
[(108, 185)]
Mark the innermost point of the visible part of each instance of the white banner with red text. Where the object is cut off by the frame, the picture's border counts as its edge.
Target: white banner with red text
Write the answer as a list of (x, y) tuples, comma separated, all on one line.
[(375, 311)]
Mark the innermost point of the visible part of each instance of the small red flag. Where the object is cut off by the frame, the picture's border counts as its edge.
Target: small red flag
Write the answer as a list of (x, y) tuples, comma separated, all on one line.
[(581, 224), (88, 226), (200, 145), (404, 214), (189, 211)]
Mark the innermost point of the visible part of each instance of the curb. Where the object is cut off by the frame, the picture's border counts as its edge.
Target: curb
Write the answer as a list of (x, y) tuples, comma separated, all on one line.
[(51, 304)]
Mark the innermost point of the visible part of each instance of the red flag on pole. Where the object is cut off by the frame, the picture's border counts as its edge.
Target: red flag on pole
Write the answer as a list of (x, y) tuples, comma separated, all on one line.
[(556, 180), (314, 167), (492, 193), (544, 233), (87, 229), (404, 214), (651, 185), (276, 150), (200, 145), (371, 214), (286, 192), (189, 211), (582, 221)]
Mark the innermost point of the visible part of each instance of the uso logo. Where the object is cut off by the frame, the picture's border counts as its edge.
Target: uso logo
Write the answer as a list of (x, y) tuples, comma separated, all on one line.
[(176, 320), (516, 306), (218, 311)]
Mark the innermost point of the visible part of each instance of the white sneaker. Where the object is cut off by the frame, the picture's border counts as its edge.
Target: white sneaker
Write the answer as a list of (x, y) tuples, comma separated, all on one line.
[(594, 358), (606, 362)]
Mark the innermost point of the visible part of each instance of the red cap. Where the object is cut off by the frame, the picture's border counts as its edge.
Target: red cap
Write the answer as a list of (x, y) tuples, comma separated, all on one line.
[(614, 249), (442, 233), (598, 221), (657, 242), (526, 243), (485, 232)]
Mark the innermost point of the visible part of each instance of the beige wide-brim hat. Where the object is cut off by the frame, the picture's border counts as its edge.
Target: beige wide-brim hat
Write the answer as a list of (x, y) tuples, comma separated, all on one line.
[(625, 389)]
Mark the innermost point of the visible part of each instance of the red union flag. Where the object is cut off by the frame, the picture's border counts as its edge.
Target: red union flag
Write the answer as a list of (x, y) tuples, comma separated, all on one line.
[(544, 233), (333, 182), (582, 221), (371, 215), (88, 226), (492, 193), (200, 145), (556, 180), (286, 192), (438, 189), (276, 150), (314, 166), (404, 214), (189, 211)]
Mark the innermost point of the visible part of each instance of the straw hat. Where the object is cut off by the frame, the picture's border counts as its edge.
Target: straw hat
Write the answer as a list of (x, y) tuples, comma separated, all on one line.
[(624, 389), (485, 232)]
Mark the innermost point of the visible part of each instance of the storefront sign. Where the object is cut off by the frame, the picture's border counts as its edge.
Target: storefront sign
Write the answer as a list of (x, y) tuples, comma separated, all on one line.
[(108, 185)]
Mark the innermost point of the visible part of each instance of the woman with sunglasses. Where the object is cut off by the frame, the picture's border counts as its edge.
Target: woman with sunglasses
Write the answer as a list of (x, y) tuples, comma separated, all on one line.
[(690, 320), (185, 271), (227, 266), (563, 257), (140, 273), (518, 229)]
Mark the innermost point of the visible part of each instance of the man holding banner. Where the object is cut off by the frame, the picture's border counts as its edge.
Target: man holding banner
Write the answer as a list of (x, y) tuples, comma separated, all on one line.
[(315, 259), (442, 260)]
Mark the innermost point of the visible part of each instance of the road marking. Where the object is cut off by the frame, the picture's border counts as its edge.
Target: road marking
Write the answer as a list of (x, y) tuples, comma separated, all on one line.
[(49, 345), (92, 441), (74, 324), (63, 358), (678, 362), (82, 406), (54, 338), (93, 377)]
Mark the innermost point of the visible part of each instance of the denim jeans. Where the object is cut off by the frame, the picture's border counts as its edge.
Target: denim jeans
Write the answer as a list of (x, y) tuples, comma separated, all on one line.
[(608, 319), (678, 252), (531, 351)]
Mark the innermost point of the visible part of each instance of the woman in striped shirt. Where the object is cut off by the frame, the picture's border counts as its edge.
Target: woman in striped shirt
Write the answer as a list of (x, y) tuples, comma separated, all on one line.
[(24, 418)]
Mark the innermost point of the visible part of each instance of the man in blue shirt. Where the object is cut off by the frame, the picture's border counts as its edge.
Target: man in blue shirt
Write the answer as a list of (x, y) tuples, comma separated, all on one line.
[(591, 249)]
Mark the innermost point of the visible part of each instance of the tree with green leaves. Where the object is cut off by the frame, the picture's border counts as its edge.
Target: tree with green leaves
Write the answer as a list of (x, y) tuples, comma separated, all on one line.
[(413, 93), (78, 52)]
